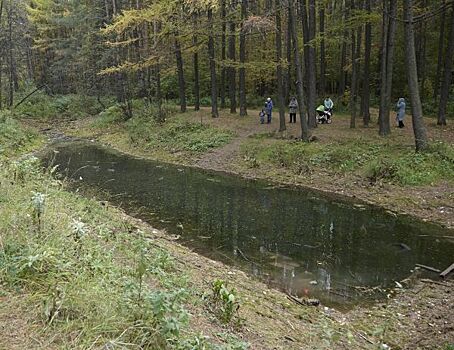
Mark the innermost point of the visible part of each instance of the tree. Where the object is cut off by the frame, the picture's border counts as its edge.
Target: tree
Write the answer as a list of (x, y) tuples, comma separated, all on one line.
[(299, 74), (365, 97), (181, 82), (223, 47), (280, 89), (242, 71), (214, 95), (308, 24), (195, 59), (441, 40), (322, 85), (447, 74), (232, 70), (412, 76), (387, 62)]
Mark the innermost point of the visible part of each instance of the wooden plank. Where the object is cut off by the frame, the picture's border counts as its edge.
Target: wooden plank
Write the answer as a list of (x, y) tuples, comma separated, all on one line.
[(447, 271)]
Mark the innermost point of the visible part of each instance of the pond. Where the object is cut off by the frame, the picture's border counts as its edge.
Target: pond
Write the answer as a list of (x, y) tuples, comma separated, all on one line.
[(304, 242)]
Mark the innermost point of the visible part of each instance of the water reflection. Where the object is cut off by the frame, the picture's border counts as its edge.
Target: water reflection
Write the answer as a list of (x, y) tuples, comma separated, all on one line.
[(297, 240)]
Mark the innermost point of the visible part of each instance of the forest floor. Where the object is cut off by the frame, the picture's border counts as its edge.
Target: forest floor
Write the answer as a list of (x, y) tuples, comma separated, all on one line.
[(339, 161)]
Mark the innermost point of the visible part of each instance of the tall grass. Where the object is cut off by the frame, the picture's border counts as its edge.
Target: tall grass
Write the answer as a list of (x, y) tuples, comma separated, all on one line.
[(87, 275)]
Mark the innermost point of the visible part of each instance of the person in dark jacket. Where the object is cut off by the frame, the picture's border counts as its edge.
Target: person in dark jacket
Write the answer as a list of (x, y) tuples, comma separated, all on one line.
[(293, 107), (269, 109)]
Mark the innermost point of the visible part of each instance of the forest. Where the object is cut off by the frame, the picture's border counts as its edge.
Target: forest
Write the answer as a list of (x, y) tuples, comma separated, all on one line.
[(156, 192), (232, 54)]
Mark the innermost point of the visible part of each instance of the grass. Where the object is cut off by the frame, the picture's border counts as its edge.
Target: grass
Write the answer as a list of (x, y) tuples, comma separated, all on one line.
[(372, 161), (89, 277), (175, 135), (12, 136)]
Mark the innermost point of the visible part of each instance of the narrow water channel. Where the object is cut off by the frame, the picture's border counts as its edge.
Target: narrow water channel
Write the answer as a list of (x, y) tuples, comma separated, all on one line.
[(300, 241)]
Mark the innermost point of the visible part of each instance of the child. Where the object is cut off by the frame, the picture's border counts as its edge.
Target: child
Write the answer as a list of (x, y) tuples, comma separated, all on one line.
[(262, 116)]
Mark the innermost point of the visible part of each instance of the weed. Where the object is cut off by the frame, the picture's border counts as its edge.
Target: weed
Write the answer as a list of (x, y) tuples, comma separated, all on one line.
[(223, 301)]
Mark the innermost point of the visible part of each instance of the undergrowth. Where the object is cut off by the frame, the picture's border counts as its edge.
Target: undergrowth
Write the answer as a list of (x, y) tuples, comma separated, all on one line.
[(374, 162), (173, 135), (44, 106), (12, 136)]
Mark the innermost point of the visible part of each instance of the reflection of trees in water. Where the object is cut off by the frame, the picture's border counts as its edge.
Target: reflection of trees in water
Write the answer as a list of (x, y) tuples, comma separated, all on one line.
[(272, 227)]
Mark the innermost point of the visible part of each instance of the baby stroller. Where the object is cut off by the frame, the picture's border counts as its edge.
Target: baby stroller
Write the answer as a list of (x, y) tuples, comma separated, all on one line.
[(323, 115)]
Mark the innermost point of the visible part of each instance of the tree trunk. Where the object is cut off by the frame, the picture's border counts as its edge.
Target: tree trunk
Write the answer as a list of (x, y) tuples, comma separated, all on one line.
[(343, 74), (157, 73), (387, 59), (305, 25), (243, 108), (232, 70), (223, 41), (181, 82), (446, 83), (412, 75), (441, 42), (195, 58), (10, 55), (355, 52), (214, 102), (280, 90), (312, 84), (299, 74), (288, 77), (322, 85), (365, 98)]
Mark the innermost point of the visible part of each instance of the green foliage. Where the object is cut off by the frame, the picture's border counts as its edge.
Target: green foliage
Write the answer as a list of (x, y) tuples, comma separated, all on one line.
[(43, 106), (374, 162), (176, 135), (12, 135), (223, 301)]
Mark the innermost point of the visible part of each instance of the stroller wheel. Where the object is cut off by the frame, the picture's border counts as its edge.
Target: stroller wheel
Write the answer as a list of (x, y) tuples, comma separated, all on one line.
[(329, 121)]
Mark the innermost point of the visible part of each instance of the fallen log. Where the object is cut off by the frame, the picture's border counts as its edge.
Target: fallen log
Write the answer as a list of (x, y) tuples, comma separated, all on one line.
[(428, 268), (447, 271)]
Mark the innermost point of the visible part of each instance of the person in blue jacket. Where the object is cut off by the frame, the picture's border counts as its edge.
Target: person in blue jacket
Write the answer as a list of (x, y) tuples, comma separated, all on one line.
[(400, 112), (269, 109)]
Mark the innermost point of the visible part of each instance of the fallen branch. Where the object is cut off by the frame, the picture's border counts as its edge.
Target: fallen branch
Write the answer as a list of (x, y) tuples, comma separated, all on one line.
[(425, 280), (31, 93), (296, 300), (428, 268), (447, 271)]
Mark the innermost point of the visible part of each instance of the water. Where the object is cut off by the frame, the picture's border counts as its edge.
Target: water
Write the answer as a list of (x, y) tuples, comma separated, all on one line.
[(300, 241)]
